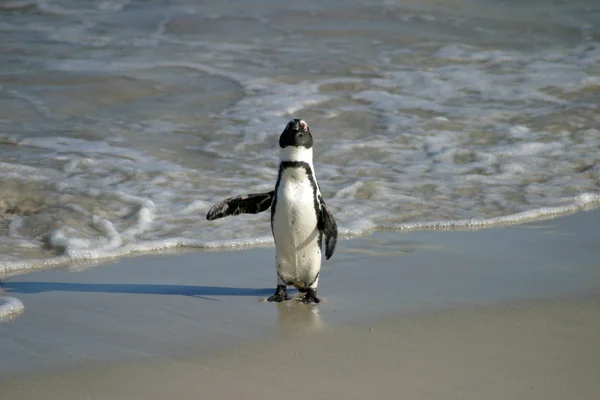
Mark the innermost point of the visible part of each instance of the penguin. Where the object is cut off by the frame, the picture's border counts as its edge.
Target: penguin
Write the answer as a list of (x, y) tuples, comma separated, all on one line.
[(299, 217)]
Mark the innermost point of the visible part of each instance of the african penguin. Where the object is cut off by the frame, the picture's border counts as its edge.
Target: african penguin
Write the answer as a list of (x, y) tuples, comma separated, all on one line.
[(299, 216)]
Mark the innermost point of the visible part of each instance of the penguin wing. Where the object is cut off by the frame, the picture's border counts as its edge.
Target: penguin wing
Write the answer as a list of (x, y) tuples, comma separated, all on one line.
[(328, 226), (246, 204)]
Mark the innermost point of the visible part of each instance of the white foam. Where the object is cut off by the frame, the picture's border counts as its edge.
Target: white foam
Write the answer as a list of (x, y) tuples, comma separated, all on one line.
[(519, 131), (17, 267), (579, 203), (588, 82), (108, 230), (112, 5), (466, 53), (10, 308), (87, 253), (144, 217)]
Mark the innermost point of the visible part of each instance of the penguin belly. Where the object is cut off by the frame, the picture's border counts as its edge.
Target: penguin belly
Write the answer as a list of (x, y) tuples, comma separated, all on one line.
[(297, 245)]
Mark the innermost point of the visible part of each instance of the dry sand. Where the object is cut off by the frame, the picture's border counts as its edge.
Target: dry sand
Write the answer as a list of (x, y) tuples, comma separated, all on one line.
[(508, 313)]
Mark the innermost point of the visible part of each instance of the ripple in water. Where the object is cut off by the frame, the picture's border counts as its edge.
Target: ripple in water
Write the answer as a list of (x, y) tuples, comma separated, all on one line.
[(122, 126)]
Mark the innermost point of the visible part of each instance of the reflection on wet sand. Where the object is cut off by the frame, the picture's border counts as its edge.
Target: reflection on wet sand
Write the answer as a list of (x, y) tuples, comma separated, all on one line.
[(296, 317)]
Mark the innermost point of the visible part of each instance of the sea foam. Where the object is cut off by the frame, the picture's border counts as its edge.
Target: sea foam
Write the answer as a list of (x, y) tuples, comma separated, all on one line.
[(10, 308)]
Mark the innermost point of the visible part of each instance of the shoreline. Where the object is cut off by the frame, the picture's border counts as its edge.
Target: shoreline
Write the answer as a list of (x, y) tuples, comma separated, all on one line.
[(150, 312), (583, 202)]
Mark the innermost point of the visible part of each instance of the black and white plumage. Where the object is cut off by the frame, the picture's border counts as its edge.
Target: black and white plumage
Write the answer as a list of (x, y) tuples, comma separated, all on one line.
[(299, 217), (246, 204)]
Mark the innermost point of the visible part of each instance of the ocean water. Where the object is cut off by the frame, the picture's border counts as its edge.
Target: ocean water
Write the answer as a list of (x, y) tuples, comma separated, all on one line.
[(122, 122)]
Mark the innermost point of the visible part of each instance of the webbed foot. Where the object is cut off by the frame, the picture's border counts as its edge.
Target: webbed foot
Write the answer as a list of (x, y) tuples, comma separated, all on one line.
[(311, 297), (280, 295)]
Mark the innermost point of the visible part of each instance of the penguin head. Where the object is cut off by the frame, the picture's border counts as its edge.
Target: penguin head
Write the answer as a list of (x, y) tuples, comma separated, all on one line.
[(297, 134)]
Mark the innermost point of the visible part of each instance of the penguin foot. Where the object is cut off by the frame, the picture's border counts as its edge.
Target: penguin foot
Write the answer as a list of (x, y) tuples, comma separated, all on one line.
[(280, 294), (311, 297)]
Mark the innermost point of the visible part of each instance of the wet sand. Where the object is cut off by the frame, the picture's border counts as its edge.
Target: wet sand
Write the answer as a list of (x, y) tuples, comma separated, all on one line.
[(501, 313)]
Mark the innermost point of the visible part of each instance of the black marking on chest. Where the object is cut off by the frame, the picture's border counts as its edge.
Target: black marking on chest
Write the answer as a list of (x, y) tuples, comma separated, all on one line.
[(313, 183)]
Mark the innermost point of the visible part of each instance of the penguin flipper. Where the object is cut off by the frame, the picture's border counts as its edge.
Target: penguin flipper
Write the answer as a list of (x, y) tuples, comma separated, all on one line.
[(246, 204), (328, 226)]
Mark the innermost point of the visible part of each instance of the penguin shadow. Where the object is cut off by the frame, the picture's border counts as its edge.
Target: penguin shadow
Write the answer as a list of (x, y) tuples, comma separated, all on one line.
[(201, 292), (295, 317)]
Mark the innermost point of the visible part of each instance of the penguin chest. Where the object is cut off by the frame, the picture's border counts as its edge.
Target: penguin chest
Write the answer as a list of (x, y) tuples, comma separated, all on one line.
[(295, 227)]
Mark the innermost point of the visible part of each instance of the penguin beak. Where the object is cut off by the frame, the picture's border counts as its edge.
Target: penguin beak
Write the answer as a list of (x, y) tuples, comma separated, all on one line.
[(302, 126)]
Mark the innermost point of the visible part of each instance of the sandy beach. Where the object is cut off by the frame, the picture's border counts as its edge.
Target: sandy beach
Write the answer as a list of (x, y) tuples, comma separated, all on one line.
[(456, 144), (501, 313)]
